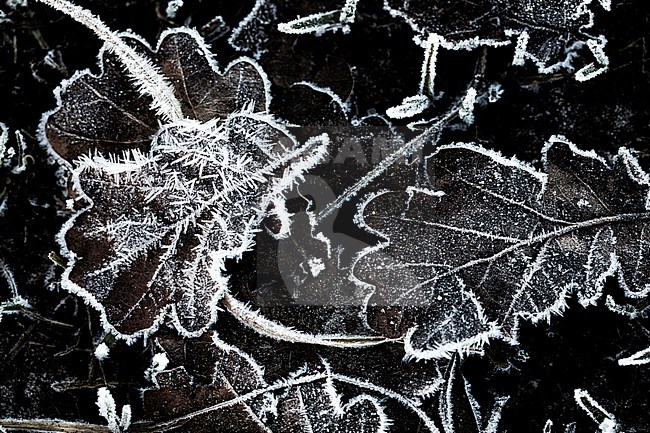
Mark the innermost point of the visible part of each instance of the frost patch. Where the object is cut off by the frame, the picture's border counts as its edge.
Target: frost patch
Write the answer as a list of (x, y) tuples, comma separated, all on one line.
[(102, 352), (172, 7), (466, 111), (108, 411)]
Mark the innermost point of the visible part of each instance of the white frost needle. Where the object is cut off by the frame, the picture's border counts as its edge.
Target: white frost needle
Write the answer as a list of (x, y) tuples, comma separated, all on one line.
[(148, 78), (639, 358)]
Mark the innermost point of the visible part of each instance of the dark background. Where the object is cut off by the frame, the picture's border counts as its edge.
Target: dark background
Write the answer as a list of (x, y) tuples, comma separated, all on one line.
[(47, 367)]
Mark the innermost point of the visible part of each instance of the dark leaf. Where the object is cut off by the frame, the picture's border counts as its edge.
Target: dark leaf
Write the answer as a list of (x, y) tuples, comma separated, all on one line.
[(238, 399), (496, 235), (106, 113)]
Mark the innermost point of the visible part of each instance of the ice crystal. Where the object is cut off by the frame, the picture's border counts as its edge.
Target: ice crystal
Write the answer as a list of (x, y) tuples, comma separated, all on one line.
[(499, 241), (167, 208)]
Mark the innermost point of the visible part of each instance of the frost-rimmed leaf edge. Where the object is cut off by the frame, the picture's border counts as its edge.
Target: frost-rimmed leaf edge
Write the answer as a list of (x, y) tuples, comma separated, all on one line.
[(67, 170), (634, 171), (519, 55), (278, 185), (105, 49)]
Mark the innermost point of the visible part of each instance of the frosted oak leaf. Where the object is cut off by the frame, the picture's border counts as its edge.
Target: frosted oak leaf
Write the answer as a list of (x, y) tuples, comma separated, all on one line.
[(172, 174), (501, 241), (235, 396)]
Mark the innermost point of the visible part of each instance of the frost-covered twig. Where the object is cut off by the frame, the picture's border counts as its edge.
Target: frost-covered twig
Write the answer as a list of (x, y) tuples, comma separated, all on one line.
[(430, 135), (267, 327), (322, 22), (639, 358), (606, 421), (108, 410), (149, 79), (4, 137)]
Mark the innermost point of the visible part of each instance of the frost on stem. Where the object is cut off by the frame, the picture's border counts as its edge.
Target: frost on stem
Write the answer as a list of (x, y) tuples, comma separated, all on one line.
[(14, 302), (149, 79), (605, 420), (466, 112), (548, 426), (4, 138), (159, 363), (338, 19), (267, 327), (12, 157), (108, 411), (639, 358), (599, 66), (548, 33), (105, 112), (413, 105)]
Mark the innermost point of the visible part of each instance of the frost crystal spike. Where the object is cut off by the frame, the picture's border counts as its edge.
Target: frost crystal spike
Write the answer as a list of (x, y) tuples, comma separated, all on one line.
[(149, 79), (167, 192)]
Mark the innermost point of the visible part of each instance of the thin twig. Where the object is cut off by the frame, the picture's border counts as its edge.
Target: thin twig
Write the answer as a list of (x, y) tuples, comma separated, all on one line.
[(430, 135)]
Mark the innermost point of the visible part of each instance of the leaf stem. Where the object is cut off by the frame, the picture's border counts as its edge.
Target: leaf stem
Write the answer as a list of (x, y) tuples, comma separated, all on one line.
[(148, 78), (256, 321), (407, 149)]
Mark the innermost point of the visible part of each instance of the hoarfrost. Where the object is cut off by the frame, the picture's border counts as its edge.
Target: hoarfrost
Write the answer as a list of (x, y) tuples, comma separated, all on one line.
[(466, 112), (4, 138), (14, 4), (12, 157), (458, 409), (159, 363), (338, 19), (102, 352), (503, 242), (108, 411), (605, 420), (548, 426), (494, 92), (172, 7), (249, 36), (640, 358), (545, 31), (239, 395), (165, 212), (557, 25), (410, 106), (148, 78)]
